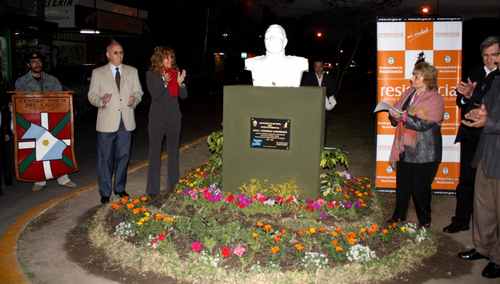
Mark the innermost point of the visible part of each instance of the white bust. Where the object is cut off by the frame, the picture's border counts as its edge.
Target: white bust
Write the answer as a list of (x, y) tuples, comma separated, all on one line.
[(275, 69)]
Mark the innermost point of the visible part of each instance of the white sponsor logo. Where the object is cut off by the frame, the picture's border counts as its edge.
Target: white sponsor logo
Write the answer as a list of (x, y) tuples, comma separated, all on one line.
[(388, 170), (418, 34), (447, 59), (445, 171), (446, 115), (391, 60)]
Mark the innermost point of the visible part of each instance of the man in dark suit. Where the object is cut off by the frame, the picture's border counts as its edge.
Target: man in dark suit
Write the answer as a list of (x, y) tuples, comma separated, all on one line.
[(487, 182), (469, 96), (319, 78)]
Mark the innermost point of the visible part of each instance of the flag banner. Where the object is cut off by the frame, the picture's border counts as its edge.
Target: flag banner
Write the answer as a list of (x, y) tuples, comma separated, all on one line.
[(43, 135), (400, 42)]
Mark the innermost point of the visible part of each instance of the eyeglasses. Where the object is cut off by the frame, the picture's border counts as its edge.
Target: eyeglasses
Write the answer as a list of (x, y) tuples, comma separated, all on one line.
[(491, 54)]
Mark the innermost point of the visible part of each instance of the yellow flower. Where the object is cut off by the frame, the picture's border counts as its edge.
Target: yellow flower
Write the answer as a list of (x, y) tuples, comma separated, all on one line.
[(403, 229), (299, 247), (275, 250), (147, 214), (334, 234), (168, 219), (255, 235), (311, 231), (259, 224)]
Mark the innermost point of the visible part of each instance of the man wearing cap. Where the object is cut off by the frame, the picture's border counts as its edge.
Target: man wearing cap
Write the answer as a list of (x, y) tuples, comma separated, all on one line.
[(38, 81)]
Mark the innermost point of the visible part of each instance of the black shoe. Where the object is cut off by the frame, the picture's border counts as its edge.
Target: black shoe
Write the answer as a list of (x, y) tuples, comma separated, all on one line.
[(104, 199), (122, 193), (492, 270), (471, 255), (455, 228)]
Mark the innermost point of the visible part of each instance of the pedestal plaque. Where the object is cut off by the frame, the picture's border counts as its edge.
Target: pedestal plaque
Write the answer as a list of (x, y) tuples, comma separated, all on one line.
[(274, 134)]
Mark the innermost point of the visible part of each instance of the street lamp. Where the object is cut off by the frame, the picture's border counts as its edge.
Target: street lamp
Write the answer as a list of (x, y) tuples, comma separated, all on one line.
[(319, 34), (425, 10)]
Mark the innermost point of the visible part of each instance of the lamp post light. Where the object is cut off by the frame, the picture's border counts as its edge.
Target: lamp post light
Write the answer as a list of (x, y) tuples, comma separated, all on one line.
[(425, 10)]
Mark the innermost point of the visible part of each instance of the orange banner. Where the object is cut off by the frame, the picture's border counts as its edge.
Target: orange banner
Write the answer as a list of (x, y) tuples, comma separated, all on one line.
[(399, 44)]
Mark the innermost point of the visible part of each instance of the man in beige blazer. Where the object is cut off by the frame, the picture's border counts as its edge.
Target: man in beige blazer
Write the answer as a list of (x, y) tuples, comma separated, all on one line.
[(115, 90)]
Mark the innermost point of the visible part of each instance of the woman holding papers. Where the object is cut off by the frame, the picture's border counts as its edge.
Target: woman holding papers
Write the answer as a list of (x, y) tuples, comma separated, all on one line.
[(416, 150)]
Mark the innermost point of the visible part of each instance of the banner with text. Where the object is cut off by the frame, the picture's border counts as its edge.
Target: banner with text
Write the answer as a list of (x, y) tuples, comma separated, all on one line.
[(400, 42)]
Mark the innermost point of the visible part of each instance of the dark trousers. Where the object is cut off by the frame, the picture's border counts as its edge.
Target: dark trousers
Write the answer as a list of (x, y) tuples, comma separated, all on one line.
[(414, 180), (157, 131), (465, 187), (113, 153)]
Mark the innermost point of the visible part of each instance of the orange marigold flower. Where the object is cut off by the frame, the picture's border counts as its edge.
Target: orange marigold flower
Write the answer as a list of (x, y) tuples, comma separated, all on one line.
[(277, 238), (158, 217), (334, 234), (373, 229), (299, 247), (259, 224), (338, 230), (385, 231), (124, 200), (135, 201), (352, 241), (339, 249), (321, 229), (363, 230), (275, 250), (130, 206), (136, 211), (335, 243), (115, 206), (351, 235), (268, 228)]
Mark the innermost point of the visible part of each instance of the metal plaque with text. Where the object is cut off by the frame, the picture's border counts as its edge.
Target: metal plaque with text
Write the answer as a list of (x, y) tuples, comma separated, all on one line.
[(270, 133)]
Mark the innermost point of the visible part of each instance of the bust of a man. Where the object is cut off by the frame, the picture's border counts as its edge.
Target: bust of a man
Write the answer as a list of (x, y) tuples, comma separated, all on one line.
[(275, 69)]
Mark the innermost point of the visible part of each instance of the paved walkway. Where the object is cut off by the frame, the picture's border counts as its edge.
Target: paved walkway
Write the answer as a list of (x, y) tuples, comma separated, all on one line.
[(40, 256)]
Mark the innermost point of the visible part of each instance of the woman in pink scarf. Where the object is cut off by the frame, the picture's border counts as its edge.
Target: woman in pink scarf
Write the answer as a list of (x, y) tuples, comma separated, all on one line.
[(417, 147)]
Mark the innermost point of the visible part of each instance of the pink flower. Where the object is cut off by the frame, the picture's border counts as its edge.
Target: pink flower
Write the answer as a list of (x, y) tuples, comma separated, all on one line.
[(196, 246), (225, 251), (239, 250), (260, 197), (161, 237)]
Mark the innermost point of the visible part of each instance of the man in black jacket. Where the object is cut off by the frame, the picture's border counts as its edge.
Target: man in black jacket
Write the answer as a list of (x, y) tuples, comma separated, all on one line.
[(487, 181), (469, 96)]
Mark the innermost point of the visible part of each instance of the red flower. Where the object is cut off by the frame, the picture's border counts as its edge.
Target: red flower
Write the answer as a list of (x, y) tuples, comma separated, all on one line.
[(225, 251), (230, 198)]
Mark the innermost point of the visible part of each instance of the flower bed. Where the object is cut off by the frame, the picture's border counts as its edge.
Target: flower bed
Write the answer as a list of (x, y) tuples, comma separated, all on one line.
[(266, 233)]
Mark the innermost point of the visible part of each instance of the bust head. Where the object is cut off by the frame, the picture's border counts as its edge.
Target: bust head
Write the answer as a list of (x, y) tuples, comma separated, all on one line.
[(275, 40)]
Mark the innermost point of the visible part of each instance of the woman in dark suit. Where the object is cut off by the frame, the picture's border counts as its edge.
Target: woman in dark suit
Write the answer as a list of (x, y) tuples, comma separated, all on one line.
[(165, 83), (416, 150)]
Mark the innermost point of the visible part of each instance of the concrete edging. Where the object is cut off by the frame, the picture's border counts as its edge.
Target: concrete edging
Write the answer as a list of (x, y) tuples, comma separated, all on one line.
[(10, 269)]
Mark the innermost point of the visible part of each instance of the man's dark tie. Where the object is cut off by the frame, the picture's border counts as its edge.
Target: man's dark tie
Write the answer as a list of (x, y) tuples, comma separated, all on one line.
[(117, 78)]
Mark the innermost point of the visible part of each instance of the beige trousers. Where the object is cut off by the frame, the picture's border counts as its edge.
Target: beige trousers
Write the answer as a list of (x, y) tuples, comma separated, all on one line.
[(486, 216)]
